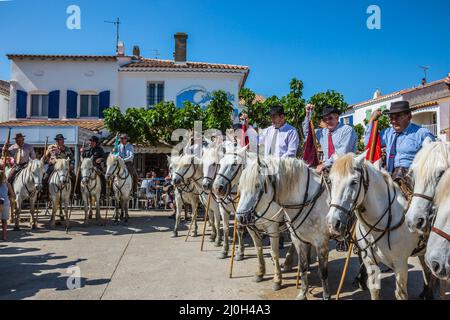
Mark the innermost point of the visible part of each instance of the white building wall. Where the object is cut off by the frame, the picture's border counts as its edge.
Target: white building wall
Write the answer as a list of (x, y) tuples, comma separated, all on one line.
[(133, 85), (46, 76), (4, 108), (360, 112)]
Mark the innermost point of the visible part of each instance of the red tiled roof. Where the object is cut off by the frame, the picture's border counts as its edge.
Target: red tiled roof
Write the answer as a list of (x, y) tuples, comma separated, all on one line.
[(157, 63), (60, 56), (93, 125)]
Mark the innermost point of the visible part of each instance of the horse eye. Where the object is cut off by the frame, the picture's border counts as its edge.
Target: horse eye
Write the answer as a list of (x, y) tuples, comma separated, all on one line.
[(354, 182)]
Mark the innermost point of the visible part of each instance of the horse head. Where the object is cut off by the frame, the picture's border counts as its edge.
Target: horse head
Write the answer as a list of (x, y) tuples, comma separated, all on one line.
[(183, 169), (437, 256), (37, 173), (347, 191), (210, 162), (87, 167), (427, 169), (256, 192), (114, 165), (62, 170), (229, 171)]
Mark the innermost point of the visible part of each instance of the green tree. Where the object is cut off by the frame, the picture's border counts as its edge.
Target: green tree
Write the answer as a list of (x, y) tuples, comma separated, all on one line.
[(330, 97), (218, 114), (257, 111), (294, 104)]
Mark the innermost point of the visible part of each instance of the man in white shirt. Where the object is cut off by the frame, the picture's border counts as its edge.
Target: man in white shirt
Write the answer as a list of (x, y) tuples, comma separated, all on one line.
[(281, 139)]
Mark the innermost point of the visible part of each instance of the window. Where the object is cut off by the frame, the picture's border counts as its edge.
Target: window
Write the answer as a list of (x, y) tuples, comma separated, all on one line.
[(89, 105), (39, 105), (368, 114), (155, 93)]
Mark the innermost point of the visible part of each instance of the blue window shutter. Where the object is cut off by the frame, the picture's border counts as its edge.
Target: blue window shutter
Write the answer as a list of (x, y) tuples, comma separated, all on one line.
[(72, 98), (350, 120), (21, 104), (104, 102), (341, 120), (53, 105)]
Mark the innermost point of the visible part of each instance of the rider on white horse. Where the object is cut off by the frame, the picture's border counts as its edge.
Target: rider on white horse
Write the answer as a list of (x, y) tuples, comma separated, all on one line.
[(402, 141), (22, 153), (96, 152), (125, 150)]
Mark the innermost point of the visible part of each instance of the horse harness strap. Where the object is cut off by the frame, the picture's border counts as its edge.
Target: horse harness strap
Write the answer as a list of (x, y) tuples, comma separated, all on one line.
[(441, 233)]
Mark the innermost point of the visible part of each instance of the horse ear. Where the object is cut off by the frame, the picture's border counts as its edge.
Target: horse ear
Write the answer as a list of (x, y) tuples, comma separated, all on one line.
[(361, 158)]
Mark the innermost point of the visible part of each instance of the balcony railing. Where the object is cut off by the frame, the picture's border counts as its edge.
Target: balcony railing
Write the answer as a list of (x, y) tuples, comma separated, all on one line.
[(432, 128)]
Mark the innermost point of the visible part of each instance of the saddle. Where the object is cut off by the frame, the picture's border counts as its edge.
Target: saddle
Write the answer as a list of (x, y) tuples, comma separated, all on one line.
[(404, 181)]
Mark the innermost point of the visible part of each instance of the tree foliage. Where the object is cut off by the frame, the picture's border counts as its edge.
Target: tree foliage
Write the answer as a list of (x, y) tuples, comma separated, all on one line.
[(329, 97), (218, 114)]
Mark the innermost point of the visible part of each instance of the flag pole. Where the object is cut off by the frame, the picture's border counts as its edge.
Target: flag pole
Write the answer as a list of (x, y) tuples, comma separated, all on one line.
[(353, 231)]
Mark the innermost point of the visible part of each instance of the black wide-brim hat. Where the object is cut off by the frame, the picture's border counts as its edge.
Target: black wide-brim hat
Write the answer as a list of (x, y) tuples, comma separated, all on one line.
[(276, 110), (94, 138), (327, 109), (398, 107), (19, 135), (60, 137)]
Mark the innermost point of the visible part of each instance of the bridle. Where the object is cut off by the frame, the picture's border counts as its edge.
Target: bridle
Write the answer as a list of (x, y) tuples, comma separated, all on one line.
[(124, 178), (92, 176), (233, 176)]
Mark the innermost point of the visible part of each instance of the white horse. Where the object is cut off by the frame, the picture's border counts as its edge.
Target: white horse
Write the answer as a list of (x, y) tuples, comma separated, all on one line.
[(437, 256), (277, 190), (184, 194), (187, 173), (381, 232), (90, 190), (427, 168), (60, 188), (122, 185), (211, 159), (26, 185)]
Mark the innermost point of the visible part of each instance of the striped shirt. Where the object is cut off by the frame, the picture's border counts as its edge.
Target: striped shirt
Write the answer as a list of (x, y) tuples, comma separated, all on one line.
[(286, 143), (126, 152)]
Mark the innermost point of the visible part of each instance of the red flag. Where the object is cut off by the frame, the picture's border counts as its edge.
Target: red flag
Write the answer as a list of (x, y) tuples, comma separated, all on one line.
[(374, 146), (244, 141), (310, 150)]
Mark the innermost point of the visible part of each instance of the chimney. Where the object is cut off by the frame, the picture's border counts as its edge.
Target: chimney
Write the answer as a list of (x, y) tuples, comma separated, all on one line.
[(180, 47), (376, 94), (424, 81), (120, 49), (137, 52)]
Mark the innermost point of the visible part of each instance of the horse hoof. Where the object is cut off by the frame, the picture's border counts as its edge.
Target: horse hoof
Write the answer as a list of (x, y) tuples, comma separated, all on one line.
[(301, 297), (16, 229), (33, 227), (258, 279), (217, 244), (212, 239), (326, 297), (239, 257), (287, 268), (222, 255), (175, 235), (276, 286), (194, 235), (62, 218)]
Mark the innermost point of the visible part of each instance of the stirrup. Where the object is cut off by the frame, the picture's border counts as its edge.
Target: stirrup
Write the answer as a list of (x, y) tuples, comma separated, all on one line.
[(342, 246)]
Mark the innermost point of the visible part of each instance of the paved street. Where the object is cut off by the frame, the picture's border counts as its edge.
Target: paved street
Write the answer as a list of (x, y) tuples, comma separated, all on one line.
[(142, 261)]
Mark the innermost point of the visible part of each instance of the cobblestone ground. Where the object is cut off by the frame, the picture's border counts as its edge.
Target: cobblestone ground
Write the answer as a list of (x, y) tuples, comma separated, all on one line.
[(142, 261)]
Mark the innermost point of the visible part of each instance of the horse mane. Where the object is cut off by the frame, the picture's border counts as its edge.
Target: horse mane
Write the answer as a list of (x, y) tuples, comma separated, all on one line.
[(60, 164), (432, 158), (35, 164), (87, 162), (252, 174), (344, 165), (290, 169), (443, 189), (212, 154), (112, 158), (181, 160)]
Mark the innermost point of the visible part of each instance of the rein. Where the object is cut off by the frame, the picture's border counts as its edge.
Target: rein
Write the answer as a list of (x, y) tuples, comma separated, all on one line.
[(441, 233)]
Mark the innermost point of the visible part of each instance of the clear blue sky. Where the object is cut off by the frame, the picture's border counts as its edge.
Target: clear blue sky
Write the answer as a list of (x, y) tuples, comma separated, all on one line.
[(324, 43)]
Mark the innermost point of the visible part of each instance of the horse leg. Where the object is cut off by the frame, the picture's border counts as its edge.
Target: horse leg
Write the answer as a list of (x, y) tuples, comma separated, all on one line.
[(322, 253), (373, 277), (33, 222), (125, 208), (275, 253), (287, 265), (54, 209), (257, 240), (240, 253), (401, 280), (211, 221), (303, 263), (98, 216), (91, 206), (430, 282), (116, 211), (66, 211), (218, 241), (194, 217), (179, 208), (17, 214), (86, 209), (226, 233)]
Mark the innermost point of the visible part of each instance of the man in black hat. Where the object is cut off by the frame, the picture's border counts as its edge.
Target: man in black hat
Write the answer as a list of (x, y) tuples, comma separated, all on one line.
[(281, 139), (402, 140), (334, 138), (97, 154), (22, 153)]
